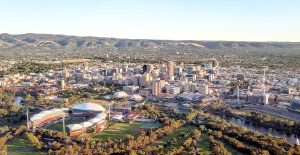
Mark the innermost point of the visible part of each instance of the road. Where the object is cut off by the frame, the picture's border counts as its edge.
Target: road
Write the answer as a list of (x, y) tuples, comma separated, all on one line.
[(274, 111)]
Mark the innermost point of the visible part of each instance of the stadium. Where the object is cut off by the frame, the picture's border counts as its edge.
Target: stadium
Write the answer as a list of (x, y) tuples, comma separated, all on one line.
[(95, 112), (45, 117)]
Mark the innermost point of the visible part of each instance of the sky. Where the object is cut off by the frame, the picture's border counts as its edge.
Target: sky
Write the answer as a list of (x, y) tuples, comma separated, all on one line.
[(236, 20)]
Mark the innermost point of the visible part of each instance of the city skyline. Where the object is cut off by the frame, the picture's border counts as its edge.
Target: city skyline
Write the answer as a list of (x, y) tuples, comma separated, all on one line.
[(171, 20)]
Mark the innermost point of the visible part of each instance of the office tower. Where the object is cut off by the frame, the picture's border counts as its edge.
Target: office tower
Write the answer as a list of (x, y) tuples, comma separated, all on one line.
[(178, 70), (136, 79), (200, 73), (265, 98), (65, 74), (144, 68), (149, 68), (170, 68), (165, 76), (155, 74), (162, 84), (215, 63), (155, 88), (203, 89), (61, 84)]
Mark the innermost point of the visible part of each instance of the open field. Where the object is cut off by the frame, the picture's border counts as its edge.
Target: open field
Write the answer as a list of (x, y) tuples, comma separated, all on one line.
[(19, 146), (120, 130), (171, 136), (204, 144), (57, 126)]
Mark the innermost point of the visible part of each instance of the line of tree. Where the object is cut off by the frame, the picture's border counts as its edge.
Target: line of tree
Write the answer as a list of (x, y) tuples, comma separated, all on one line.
[(14, 132), (217, 147), (264, 142), (33, 140), (279, 124)]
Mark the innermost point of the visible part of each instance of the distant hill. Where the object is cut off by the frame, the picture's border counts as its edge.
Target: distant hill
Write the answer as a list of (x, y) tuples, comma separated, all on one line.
[(7, 40), (50, 46)]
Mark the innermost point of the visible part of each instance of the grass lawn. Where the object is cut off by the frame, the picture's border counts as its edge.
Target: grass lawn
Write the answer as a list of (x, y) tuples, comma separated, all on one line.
[(20, 146), (57, 126), (204, 144), (231, 149), (171, 136), (120, 130)]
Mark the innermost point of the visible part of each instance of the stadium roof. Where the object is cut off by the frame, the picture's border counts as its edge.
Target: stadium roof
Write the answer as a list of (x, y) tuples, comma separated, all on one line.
[(136, 97), (89, 107), (86, 124), (44, 113), (74, 126), (120, 94), (95, 120)]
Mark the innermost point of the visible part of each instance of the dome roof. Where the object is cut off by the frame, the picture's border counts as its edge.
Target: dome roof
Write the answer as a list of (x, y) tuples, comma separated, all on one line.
[(86, 124), (136, 97), (120, 94), (74, 126), (101, 115), (95, 120), (89, 107)]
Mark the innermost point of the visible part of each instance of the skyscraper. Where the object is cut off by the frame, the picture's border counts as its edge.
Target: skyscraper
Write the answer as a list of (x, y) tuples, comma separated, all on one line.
[(61, 84), (155, 88), (144, 68), (215, 63), (65, 74), (203, 89), (149, 68), (170, 68)]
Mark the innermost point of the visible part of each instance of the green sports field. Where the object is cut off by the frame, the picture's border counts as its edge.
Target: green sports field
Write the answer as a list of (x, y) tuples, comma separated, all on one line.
[(120, 130), (19, 146)]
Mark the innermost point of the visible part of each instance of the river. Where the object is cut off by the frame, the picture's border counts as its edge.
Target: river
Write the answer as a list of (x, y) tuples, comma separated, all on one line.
[(290, 138)]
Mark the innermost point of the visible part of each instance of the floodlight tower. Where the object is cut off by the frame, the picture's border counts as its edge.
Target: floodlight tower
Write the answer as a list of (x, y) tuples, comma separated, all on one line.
[(64, 124), (238, 95), (109, 108), (27, 117)]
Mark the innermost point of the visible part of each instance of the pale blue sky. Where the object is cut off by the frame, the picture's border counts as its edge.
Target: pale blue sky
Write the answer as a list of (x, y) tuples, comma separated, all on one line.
[(249, 20)]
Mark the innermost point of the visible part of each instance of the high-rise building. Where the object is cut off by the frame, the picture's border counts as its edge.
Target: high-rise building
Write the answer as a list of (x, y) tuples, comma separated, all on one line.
[(172, 90), (203, 89), (155, 88), (61, 84), (149, 68), (200, 73), (65, 74), (155, 74), (265, 98), (144, 68), (136, 79), (178, 70), (215, 63), (170, 68)]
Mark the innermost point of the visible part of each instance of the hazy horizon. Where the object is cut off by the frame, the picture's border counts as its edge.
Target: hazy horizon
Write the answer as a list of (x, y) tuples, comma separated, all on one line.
[(148, 39), (233, 20)]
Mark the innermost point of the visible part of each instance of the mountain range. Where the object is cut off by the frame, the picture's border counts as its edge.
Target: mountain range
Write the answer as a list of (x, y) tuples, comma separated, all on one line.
[(60, 46)]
